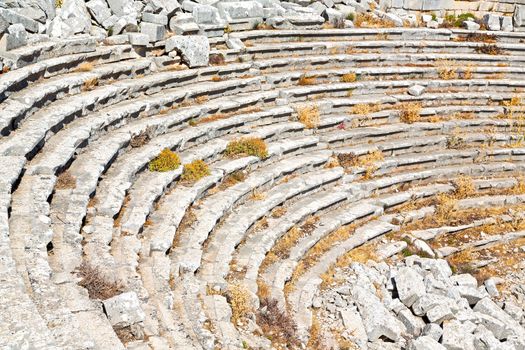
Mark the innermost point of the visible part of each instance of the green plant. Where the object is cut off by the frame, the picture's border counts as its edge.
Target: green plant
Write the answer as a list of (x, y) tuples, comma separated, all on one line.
[(248, 146), (406, 252), (59, 3), (464, 17), (350, 16), (166, 160), (195, 171)]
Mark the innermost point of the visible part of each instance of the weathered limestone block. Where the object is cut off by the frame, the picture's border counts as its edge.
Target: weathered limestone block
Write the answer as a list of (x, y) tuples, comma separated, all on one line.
[(15, 18), (124, 310), (75, 14), (57, 28), (439, 314), (354, 324), (122, 8), (410, 285), (240, 9), (206, 14), (155, 32), (425, 343), (378, 321), (471, 25), (506, 24), (416, 90), (394, 19), (432, 330), (99, 10), (472, 294), (318, 7), (194, 49), (414, 325), (458, 336), (519, 16), (492, 21), (138, 39), (428, 5), (15, 37), (332, 16), (3, 25), (155, 18)]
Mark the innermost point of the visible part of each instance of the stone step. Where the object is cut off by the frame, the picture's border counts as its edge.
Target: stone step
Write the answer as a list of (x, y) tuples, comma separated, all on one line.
[(325, 228), (383, 46), (59, 304), (252, 251), (221, 244), (54, 117), (185, 257), (22, 104), (396, 59), (14, 80), (307, 281), (357, 34), (38, 52), (21, 325)]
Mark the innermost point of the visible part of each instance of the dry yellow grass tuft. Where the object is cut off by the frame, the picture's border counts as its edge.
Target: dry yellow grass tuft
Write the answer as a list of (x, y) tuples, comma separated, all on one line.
[(201, 99), (333, 162), (445, 206), (89, 84), (349, 78), (468, 71), (278, 212), (365, 108), (410, 112), (463, 187), (304, 80), (309, 116), (367, 20), (239, 298), (478, 37), (263, 291), (263, 26), (258, 195), (176, 67), (277, 324), (446, 69), (85, 67), (348, 160)]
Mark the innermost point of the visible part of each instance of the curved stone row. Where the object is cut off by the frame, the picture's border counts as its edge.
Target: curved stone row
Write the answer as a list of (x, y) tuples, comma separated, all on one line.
[(190, 257)]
